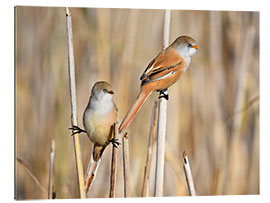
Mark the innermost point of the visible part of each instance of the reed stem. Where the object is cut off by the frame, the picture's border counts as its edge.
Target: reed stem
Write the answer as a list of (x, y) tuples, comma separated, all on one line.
[(149, 151), (127, 192), (188, 174), (51, 174), (162, 121), (113, 166), (71, 71), (31, 174)]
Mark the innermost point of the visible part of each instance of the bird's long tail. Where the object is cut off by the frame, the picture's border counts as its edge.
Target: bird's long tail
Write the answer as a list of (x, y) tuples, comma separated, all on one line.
[(143, 95), (93, 166)]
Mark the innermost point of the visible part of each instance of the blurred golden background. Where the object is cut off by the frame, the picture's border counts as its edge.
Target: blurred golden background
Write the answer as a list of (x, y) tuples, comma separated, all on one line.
[(213, 110)]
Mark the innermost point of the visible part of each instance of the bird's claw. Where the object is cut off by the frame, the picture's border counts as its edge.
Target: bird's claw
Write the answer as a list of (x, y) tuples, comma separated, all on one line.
[(163, 95), (114, 142), (76, 130)]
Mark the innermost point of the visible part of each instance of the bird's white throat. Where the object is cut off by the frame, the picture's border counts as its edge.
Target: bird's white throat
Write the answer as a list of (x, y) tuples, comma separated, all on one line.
[(186, 53), (102, 105)]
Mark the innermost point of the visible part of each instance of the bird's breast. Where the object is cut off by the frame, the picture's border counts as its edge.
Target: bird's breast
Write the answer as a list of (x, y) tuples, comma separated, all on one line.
[(188, 59), (98, 125)]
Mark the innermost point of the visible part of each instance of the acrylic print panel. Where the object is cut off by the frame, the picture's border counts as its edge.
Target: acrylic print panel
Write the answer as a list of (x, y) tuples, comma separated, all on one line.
[(212, 111)]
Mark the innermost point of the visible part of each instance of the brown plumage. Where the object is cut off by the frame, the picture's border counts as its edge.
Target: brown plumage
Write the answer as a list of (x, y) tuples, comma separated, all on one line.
[(162, 72)]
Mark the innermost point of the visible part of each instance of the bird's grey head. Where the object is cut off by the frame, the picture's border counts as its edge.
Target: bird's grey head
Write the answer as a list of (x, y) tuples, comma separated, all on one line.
[(185, 46), (102, 91)]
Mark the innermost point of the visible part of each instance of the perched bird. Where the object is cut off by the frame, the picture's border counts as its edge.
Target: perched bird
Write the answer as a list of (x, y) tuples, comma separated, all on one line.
[(98, 119), (162, 72)]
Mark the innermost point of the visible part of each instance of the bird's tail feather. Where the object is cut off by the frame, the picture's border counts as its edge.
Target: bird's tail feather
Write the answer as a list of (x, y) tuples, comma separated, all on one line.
[(93, 167), (143, 95)]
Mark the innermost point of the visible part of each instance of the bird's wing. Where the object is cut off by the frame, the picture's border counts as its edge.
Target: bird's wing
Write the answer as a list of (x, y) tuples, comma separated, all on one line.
[(163, 65), (149, 67)]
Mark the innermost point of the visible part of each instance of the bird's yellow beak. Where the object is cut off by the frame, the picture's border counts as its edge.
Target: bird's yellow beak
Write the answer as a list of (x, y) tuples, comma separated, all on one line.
[(110, 92), (195, 47)]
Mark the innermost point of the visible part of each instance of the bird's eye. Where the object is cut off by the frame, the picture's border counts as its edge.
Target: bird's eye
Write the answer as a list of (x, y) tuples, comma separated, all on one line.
[(105, 90), (190, 45)]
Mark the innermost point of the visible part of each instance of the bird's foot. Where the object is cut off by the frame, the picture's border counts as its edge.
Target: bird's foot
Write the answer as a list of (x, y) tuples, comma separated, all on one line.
[(162, 94), (76, 130), (114, 142)]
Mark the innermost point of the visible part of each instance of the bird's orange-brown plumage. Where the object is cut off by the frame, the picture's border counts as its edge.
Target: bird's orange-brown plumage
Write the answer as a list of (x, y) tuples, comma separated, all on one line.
[(173, 63), (143, 95), (162, 72)]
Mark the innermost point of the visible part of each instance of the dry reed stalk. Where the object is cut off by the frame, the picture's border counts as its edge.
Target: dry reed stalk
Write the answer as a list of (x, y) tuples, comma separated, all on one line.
[(127, 192), (242, 67), (188, 174), (103, 42), (71, 71), (216, 60), (149, 151), (50, 185), (249, 104), (34, 178), (172, 159), (113, 166), (128, 53), (235, 181), (162, 121), (218, 181)]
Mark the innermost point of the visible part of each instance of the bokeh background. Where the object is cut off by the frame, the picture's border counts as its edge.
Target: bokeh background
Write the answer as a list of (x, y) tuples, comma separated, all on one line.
[(213, 111)]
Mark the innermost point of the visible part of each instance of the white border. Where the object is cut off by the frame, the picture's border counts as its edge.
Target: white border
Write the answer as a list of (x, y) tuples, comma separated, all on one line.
[(7, 83)]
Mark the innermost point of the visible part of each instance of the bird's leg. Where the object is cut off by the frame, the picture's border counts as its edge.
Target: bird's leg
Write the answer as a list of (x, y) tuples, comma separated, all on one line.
[(114, 142), (76, 130), (162, 94)]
